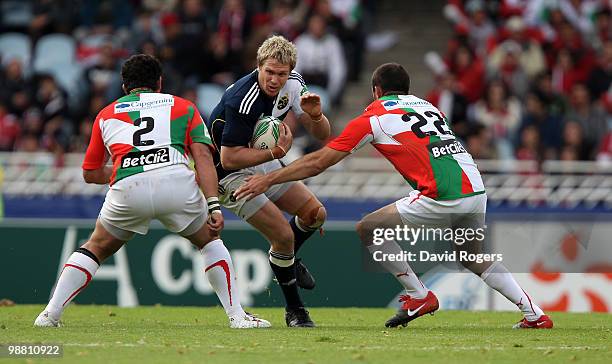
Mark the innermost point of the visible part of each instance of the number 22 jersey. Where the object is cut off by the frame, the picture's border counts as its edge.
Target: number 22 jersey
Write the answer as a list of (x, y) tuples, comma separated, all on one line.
[(143, 131), (413, 135)]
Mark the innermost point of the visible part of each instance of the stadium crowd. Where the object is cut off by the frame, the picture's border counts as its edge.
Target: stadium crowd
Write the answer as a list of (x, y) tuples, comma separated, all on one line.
[(60, 60), (528, 80)]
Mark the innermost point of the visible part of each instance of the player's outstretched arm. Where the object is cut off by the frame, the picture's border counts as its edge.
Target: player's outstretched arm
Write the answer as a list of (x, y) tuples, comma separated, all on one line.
[(310, 165), (313, 119)]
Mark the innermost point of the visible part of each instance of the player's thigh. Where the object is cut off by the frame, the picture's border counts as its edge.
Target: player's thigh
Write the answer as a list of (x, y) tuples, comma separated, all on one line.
[(269, 221), (418, 210), (127, 208), (295, 198), (470, 230), (179, 204)]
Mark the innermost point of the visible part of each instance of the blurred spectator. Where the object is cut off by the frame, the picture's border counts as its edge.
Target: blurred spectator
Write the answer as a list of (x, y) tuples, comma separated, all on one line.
[(529, 147), (553, 101), (574, 145), (527, 50), (605, 151), (234, 24), (320, 59), (115, 13), (15, 89), (579, 13), (478, 141), (475, 24), (102, 77), (603, 28), (591, 118), (52, 16), (501, 113), (28, 143), (283, 20), (50, 99), (505, 63), (453, 104), (548, 126), (80, 141), (171, 78), (564, 72), (219, 65), (345, 18), (9, 129), (146, 27), (469, 72), (601, 76)]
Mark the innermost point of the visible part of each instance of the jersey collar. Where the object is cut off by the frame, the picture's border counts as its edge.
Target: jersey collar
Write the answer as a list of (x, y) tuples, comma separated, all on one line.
[(141, 90)]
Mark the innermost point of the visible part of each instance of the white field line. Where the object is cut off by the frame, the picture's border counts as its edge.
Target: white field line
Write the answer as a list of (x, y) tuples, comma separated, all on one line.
[(424, 348)]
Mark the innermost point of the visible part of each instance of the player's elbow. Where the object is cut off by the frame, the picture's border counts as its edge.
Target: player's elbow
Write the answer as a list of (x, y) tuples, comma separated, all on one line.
[(227, 161), (89, 176)]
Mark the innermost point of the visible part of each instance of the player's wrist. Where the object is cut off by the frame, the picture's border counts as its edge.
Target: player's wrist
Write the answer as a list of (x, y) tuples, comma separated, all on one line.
[(278, 152), (316, 118), (214, 206)]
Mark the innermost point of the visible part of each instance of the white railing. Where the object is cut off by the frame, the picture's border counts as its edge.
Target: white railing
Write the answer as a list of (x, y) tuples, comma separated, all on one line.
[(515, 182)]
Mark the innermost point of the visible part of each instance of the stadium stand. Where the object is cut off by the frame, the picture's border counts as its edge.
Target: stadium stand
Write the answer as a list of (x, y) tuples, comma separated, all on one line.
[(526, 88)]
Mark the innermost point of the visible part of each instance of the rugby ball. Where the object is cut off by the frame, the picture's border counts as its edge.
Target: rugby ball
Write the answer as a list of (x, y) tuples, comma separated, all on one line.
[(266, 133)]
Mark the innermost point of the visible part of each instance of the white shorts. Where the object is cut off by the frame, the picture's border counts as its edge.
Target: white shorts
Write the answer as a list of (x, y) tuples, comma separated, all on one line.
[(242, 208), (417, 210), (169, 194)]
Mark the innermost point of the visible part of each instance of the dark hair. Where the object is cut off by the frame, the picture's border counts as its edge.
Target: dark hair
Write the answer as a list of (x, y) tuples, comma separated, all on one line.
[(392, 79), (141, 70)]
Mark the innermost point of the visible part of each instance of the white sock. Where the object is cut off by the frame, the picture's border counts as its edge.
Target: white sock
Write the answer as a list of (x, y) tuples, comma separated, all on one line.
[(76, 275), (400, 269), (498, 278), (220, 273)]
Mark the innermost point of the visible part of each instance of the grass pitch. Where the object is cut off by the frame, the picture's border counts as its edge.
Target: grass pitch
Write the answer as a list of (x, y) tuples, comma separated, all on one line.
[(108, 334)]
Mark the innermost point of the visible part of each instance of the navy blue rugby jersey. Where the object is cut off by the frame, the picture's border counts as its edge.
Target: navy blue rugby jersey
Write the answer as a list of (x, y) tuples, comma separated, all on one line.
[(233, 120)]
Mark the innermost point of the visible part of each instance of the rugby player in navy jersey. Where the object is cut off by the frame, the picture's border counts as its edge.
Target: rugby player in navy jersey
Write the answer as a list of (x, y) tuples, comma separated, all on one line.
[(273, 89)]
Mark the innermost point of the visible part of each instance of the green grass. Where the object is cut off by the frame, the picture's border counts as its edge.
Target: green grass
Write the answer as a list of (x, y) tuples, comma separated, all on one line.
[(108, 334)]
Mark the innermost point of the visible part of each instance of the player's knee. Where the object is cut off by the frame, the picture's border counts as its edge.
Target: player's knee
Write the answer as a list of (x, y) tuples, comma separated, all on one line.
[(360, 227), (313, 214), (283, 240), (365, 228)]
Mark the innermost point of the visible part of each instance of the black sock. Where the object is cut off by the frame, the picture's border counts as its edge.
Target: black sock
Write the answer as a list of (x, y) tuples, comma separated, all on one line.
[(300, 235), (286, 279), (88, 253)]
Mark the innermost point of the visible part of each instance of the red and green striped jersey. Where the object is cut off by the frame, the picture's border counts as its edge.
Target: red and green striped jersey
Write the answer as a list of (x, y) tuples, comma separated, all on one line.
[(143, 131), (415, 137)]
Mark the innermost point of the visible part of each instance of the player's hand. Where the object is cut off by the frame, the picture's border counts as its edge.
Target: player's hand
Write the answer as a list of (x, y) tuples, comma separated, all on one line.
[(215, 222), (285, 139), (311, 104), (253, 186)]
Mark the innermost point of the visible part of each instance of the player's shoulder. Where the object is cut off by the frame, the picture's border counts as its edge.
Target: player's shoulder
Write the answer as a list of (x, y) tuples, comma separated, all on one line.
[(296, 79), (396, 102), (243, 93)]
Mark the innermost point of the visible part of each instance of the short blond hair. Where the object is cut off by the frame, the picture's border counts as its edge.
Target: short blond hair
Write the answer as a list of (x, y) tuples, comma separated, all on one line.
[(278, 48)]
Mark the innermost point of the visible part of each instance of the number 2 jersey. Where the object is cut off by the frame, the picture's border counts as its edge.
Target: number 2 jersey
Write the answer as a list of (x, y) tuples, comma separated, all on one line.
[(144, 131), (414, 136)]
